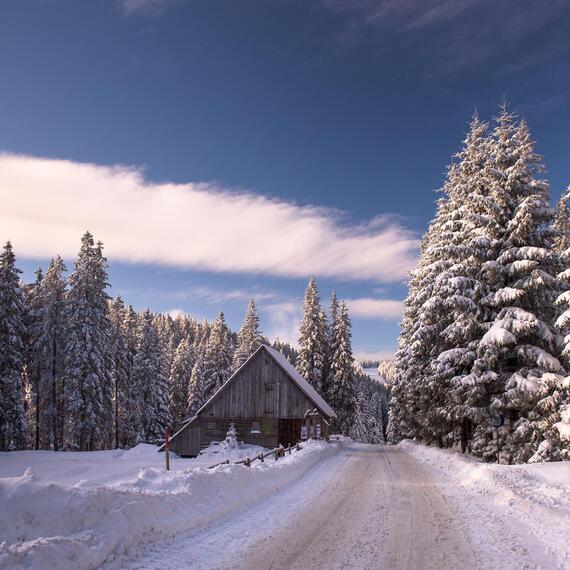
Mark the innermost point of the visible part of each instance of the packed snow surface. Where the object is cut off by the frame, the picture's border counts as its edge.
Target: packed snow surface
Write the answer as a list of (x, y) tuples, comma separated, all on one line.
[(75, 510), (340, 505)]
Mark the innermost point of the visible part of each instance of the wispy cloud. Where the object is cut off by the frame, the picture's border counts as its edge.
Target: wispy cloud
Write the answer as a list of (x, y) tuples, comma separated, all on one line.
[(145, 7), (46, 205), (369, 308), (456, 33), (217, 295)]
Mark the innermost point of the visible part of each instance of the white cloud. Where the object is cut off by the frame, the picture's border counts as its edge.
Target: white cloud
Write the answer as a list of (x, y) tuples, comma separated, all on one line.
[(283, 319), (48, 204), (368, 308), (361, 355)]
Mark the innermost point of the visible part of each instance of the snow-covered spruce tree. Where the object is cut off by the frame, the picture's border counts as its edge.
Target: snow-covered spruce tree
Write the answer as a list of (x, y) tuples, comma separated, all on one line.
[(368, 420), (417, 343), (249, 336), (342, 392), (148, 376), (463, 243), (88, 408), (164, 326), (442, 321), (13, 426), (120, 370), (131, 431), (286, 349), (33, 393), (46, 339), (562, 223), (196, 388), (560, 439), (218, 358), (386, 371), (180, 377), (312, 338), (518, 354), (231, 441), (333, 317)]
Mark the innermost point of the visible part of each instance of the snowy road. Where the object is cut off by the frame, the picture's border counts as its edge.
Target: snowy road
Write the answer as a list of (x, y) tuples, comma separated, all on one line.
[(365, 507)]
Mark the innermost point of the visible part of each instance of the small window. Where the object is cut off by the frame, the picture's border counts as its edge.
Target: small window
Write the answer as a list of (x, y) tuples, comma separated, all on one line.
[(268, 387), (255, 427), (211, 425)]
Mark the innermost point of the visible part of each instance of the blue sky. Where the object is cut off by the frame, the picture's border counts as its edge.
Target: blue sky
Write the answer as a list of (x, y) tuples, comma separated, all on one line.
[(333, 120)]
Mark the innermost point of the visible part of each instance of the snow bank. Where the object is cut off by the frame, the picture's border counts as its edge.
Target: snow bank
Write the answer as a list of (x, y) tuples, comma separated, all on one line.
[(535, 497), (50, 524)]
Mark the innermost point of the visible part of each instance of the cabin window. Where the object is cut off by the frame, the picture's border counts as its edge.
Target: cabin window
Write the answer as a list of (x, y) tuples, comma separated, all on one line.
[(211, 425), (255, 427), (268, 386)]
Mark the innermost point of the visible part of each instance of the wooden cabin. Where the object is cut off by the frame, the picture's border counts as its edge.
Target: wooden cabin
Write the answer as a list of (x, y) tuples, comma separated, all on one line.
[(266, 399)]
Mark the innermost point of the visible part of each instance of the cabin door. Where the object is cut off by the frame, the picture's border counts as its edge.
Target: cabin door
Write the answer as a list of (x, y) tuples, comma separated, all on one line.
[(289, 431)]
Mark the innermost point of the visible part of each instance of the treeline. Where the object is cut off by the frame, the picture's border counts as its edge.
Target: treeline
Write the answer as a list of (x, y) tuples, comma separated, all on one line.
[(326, 360), (484, 347), (81, 371)]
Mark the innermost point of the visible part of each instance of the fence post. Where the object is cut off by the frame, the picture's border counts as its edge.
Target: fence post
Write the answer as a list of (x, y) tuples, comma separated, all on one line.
[(261, 458), (166, 449)]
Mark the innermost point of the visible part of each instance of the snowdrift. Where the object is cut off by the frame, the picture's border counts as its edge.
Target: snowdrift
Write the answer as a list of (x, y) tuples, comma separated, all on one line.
[(58, 525), (534, 496)]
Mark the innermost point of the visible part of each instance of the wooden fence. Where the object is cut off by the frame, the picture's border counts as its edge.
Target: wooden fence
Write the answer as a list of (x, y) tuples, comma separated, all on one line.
[(278, 452)]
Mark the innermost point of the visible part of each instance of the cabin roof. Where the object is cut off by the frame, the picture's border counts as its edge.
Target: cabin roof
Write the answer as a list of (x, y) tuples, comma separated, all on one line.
[(292, 372), (288, 368)]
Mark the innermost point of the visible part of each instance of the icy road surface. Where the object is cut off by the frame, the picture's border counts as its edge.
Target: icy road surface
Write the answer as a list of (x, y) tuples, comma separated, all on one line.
[(375, 507)]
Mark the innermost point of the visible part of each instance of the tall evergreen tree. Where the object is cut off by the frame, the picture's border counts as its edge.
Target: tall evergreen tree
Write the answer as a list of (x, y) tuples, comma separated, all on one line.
[(330, 345), (87, 359), (519, 350), (13, 426), (120, 370), (47, 338), (342, 391), (148, 376), (34, 397), (249, 336), (218, 358), (180, 377), (312, 338), (131, 431)]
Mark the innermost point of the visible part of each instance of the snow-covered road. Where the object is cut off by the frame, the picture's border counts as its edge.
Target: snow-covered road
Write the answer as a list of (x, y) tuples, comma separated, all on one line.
[(365, 507)]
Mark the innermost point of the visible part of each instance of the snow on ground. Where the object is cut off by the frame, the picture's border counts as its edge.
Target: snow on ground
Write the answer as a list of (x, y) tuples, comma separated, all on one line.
[(505, 508), (340, 505), (396, 507), (75, 510)]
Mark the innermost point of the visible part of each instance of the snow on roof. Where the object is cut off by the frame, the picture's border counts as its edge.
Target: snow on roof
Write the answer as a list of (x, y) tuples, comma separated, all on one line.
[(292, 372)]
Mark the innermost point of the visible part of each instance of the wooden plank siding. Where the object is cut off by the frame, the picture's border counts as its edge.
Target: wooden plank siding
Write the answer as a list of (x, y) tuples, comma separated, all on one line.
[(215, 429), (261, 389)]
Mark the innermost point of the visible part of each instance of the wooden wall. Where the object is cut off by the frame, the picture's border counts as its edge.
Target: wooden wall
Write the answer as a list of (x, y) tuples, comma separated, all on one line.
[(260, 390)]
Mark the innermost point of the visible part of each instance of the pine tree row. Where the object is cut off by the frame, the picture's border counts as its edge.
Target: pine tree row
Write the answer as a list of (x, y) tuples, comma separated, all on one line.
[(326, 360), (79, 371), (483, 353)]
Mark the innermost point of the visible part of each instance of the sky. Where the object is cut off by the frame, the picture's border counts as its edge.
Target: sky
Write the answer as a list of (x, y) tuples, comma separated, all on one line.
[(223, 150)]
